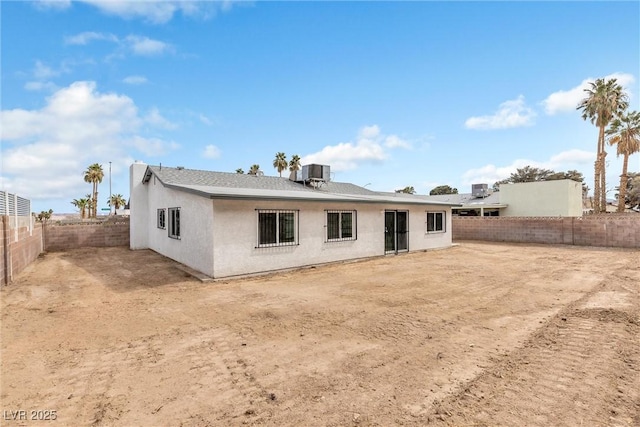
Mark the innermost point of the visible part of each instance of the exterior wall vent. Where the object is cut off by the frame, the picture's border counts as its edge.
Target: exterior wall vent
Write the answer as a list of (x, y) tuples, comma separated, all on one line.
[(479, 190)]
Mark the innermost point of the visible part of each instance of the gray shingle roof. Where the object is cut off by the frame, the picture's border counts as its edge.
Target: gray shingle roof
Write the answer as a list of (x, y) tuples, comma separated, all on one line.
[(235, 185)]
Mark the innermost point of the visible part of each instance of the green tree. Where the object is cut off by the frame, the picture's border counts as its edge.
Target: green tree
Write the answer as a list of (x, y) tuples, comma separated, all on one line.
[(280, 162), (605, 99), (633, 190), (443, 189), (116, 201), (294, 164), (81, 204), (240, 171), (254, 169), (94, 175), (407, 190), (44, 216), (624, 133)]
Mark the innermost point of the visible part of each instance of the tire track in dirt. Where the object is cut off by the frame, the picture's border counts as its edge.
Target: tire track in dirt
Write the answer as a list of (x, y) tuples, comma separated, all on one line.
[(586, 358)]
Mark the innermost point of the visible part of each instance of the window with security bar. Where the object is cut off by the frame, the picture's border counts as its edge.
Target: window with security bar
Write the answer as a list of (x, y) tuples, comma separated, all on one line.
[(161, 218), (174, 223), (277, 227), (435, 222), (341, 225)]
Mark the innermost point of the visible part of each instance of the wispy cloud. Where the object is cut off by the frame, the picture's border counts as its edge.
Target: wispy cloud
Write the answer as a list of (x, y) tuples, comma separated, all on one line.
[(89, 36), (155, 12), (567, 100), (147, 47), (510, 114), (211, 152), (370, 146), (135, 80)]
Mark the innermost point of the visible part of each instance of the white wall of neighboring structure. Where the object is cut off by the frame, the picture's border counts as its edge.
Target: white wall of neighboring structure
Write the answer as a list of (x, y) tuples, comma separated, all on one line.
[(236, 235), (138, 208), (542, 198)]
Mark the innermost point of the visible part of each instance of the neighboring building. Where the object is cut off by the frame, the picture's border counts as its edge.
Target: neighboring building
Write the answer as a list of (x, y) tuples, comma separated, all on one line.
[(228, 224), (541, 198)]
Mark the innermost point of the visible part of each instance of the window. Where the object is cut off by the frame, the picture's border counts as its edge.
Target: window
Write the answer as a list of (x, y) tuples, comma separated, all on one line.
[(277, 228), (435, 222), (174, 223), (341, 225), (161, 219)]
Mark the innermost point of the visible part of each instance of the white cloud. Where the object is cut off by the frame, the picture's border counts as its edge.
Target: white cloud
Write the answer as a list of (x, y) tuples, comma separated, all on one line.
[(135, 80), (52, 4), (77, 126), (159, 12), (153, 146), (561, 162), (36, 86), (147, 47), (89, 36), (205, 120), (154, 118), (394, 141), (567, 100), (369, 147), (42, 71), (211, 152), (510, 114)]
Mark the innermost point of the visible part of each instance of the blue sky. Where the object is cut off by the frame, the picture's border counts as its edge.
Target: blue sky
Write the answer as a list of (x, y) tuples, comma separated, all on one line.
[(388, 94)]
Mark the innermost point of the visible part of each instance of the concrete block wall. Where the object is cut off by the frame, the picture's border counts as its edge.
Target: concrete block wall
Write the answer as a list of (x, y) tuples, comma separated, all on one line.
[(19, 247), (622, 231), (60, 237)]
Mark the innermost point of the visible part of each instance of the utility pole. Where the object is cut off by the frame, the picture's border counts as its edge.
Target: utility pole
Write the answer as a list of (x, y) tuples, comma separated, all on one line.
[(110, 202)]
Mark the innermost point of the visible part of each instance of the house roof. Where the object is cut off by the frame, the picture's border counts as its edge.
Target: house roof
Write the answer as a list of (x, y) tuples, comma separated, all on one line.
[(468, 201), (225, 185)]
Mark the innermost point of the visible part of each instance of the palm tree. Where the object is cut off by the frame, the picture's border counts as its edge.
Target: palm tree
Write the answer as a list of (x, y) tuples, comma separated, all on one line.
[(94, 175), (117, 200), (294, 164), (624, 132), (81, 204), (605, 99), (254, 170), (280, 162), (240, 171)]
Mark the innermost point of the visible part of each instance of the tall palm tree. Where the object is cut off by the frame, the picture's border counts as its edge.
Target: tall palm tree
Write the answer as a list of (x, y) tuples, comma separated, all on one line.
[(624, 133), (116, 201), (254, 170), (605, 99), (294, 164), (94, 175), (280, 162)]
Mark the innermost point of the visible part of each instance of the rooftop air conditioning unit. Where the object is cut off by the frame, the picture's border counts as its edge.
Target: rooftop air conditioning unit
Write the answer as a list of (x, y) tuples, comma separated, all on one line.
[(479, 190), (315, 172)]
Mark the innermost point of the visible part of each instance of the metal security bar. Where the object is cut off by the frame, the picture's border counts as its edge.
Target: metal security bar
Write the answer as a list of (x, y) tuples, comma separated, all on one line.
[(340, 225), (277, 227)]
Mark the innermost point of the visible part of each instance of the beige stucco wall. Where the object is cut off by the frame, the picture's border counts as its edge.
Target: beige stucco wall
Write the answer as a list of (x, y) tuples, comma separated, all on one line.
[(544, 198), (235, 235)]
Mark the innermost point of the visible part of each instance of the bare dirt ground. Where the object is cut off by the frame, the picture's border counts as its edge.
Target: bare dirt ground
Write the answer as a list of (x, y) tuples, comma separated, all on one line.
[(475, 335)]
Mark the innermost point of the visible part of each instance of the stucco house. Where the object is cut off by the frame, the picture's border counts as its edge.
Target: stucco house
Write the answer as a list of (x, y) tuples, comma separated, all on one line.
[(228, 224)]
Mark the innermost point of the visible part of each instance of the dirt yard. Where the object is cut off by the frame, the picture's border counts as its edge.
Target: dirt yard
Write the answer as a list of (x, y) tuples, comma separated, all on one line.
[(475, 335)]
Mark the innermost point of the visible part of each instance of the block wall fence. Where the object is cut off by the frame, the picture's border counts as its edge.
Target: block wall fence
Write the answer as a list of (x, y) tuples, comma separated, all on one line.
[(620, 231), (20, 245), (61, 236)]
